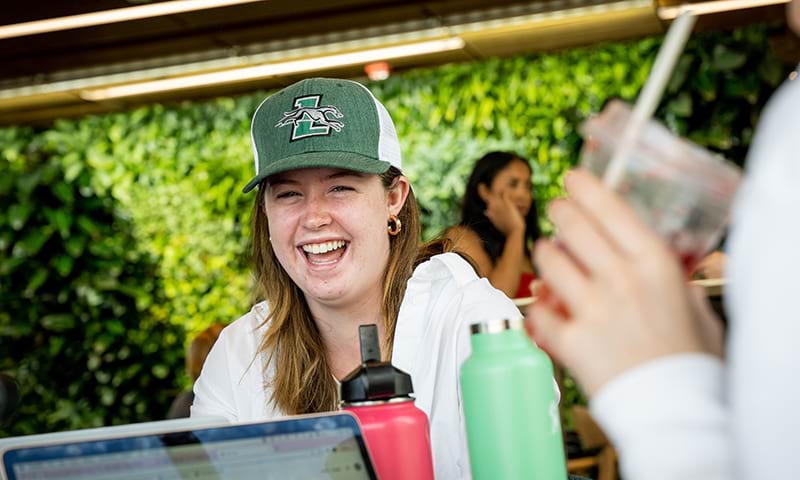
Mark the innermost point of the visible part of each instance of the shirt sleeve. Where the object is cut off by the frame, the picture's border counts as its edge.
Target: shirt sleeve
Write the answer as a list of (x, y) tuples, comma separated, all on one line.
[(762, 298), (667, 419)]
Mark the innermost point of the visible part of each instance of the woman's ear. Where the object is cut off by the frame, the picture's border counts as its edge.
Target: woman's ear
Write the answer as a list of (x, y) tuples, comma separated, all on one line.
[(397, 195), (484, 192)]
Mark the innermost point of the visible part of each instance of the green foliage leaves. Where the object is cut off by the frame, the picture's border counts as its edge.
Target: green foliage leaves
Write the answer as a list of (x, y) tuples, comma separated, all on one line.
[(177, 172), (719, 87), (448, 117), (71, 276)]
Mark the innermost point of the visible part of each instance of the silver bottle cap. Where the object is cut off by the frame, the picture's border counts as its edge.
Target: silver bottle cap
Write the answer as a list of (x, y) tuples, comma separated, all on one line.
[(496, 325)]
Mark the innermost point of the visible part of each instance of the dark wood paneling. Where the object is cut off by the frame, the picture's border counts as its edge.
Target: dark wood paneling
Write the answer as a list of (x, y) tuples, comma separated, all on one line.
[(236, 26)]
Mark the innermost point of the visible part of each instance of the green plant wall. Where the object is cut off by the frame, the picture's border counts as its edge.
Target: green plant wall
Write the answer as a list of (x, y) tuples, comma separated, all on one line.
[(448, 117), (165, 182), (79, 324)]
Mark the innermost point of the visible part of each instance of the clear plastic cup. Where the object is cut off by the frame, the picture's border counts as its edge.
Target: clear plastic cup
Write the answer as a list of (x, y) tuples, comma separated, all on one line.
[(683, 191)]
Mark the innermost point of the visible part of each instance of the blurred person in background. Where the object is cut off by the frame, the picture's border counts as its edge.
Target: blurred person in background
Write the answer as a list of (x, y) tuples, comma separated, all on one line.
[(499, 222), (195, 358), (336, 245), (644, 344)]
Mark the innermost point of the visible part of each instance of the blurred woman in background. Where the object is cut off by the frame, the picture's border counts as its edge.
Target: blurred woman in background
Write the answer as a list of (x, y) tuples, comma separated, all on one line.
[(499, 222)]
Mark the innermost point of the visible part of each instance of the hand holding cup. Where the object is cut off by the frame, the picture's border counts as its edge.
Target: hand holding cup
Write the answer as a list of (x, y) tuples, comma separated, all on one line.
[(625, 296)]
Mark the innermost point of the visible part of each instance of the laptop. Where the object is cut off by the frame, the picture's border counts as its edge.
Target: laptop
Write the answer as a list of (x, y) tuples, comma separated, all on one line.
[(324, 446)]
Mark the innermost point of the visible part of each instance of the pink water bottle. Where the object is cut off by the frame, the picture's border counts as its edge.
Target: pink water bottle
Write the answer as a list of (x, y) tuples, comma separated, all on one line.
[(396, 431)]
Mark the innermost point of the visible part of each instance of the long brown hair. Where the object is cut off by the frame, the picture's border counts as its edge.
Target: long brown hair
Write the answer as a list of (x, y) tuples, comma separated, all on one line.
[(302, 381)]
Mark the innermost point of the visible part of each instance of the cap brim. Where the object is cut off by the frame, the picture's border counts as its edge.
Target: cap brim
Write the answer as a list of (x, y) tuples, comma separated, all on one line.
[(344, 160)]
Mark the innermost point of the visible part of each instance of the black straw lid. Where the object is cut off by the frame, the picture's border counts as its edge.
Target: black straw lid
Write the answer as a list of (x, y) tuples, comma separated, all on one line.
[(373, 379)]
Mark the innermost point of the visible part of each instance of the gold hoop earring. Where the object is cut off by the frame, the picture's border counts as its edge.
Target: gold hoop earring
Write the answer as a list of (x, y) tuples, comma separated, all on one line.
[(394, 226)]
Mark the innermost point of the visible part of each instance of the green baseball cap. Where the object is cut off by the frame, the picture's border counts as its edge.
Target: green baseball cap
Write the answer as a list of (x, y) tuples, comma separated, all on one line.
[(322, 122)]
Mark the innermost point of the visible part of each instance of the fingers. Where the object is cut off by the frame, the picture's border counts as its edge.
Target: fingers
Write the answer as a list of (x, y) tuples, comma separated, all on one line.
[(505, 195), (583, 238), (505, 202), (501, 211), (546, 327), (535, 285), (563, 276), (616, 220)]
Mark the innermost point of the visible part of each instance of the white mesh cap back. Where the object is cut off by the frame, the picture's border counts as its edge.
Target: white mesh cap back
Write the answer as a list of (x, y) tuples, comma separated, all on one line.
[(388, 143)]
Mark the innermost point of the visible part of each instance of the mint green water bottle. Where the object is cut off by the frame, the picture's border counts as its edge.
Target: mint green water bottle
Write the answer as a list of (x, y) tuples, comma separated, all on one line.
[(510, 406)]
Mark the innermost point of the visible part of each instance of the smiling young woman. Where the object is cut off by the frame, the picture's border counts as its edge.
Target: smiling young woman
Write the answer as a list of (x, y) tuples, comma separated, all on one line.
[(336, 245), (328, 283)]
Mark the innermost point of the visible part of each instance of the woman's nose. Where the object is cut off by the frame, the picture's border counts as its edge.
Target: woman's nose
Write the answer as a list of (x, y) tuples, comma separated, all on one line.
[(317, 214)]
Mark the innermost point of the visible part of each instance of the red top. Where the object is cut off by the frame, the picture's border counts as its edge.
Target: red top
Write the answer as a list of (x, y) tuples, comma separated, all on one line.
[(524, 288)]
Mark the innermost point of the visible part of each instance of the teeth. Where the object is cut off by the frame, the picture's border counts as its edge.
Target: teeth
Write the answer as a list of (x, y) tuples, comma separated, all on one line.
[(323, 247)]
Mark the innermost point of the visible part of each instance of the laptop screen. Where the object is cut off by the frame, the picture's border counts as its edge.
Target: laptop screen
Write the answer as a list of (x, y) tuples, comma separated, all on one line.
[(319, 447)]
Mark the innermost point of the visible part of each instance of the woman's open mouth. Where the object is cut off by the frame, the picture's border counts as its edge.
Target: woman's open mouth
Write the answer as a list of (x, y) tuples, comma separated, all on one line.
[(324, 253)]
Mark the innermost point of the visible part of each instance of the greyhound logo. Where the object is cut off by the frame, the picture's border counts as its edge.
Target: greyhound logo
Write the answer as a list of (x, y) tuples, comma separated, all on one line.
[(309, 119)]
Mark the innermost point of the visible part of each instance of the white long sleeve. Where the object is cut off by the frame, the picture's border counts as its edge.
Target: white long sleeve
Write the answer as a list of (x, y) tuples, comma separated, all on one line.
[(764, 268), (667, 419), (687, 416)]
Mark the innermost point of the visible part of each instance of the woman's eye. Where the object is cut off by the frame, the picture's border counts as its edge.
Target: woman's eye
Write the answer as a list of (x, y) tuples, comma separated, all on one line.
[(288, 194), (341, 188)]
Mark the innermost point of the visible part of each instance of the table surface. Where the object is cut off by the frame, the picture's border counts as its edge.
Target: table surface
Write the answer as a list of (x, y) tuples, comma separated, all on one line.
[(714, 287)]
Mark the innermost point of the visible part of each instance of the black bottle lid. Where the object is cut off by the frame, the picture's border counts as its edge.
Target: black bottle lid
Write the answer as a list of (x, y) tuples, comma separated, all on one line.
[(374, 380)]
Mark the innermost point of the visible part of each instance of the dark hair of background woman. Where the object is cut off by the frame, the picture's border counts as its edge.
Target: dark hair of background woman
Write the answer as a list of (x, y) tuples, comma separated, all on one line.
[(472, 211)]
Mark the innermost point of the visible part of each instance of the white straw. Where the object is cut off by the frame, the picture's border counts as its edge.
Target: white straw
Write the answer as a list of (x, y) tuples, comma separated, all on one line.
[(651, 94)]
